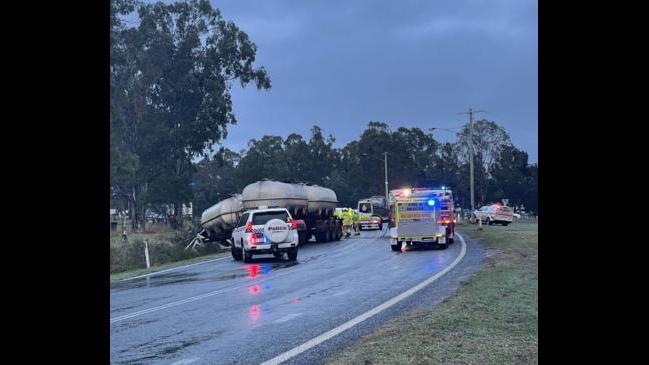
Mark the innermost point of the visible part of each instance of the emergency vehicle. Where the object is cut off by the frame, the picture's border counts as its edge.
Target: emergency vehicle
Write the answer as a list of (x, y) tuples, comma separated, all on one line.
[(374, 206), (415, 215), (268, 230), (447, 211)]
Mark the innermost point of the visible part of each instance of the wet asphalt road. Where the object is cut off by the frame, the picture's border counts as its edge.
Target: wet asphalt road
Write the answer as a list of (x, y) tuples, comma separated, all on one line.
[(227, 312)]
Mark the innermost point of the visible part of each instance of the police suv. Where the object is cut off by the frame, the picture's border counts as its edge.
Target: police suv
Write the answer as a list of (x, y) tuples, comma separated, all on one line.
[(265, 231)]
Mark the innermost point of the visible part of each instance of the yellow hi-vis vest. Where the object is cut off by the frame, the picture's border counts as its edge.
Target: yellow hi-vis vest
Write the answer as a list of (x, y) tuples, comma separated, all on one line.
[(357, 216), (348, 218)]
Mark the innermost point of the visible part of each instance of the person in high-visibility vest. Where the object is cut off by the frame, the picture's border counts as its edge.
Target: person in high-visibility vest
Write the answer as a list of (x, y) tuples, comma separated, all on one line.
[(348, 220), (356, 219)]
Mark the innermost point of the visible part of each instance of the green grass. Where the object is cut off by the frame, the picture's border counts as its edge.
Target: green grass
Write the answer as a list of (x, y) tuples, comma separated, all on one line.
[(491, 319), (136, 272), (166, 249)]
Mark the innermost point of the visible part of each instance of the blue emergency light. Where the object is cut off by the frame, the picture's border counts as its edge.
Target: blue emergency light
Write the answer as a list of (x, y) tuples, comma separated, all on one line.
[(431, 202)]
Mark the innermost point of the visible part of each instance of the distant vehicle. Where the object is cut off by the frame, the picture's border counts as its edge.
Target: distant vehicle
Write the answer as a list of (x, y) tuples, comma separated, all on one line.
[(414, 215), (370, 222), (265, 231), (374, 206), (494, 214)]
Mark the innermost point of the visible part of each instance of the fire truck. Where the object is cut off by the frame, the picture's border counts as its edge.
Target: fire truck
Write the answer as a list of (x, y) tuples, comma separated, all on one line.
[(416, 218)]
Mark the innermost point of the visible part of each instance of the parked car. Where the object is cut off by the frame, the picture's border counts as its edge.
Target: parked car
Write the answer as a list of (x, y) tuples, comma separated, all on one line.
[(494, 214)]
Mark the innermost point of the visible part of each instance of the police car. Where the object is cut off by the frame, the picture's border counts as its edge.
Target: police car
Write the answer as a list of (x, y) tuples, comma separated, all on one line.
[(494, 214), (265, 231)]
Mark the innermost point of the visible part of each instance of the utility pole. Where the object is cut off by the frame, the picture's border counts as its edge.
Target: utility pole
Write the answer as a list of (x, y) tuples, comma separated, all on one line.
[(387, 198), (470, 113)]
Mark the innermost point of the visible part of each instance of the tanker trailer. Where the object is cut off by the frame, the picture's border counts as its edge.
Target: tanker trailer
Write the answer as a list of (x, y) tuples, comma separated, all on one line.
[(219, 220), (312, 206)]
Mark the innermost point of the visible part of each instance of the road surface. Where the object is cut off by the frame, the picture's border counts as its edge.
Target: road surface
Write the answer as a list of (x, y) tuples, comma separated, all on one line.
[(227, 312)]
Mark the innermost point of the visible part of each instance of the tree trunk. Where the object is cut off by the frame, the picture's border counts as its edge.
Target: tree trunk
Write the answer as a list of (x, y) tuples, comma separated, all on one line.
[(178, 213)]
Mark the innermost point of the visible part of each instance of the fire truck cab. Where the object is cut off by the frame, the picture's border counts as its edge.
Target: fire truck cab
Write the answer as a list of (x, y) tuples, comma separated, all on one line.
[(416, 218)]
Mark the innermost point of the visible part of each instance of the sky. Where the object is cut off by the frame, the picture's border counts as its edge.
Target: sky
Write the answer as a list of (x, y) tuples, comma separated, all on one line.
[(341, 64)]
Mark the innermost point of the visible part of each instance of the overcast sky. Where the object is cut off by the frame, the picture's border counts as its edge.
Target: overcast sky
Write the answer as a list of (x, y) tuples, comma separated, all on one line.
[(340, 64)]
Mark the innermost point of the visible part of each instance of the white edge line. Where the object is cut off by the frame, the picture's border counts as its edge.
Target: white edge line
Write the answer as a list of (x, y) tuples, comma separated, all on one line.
[(197, 297), (171, 269), (347, 325)]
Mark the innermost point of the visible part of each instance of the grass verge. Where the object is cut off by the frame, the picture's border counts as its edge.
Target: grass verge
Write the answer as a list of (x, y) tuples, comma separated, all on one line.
[(491, 319), (165, 249)]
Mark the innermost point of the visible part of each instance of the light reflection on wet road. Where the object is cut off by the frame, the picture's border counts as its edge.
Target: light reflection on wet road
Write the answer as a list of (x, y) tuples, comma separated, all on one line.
[(266, 305)]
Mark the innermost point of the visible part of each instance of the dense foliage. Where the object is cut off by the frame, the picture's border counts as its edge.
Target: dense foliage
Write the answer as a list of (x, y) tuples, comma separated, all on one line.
[(356, 170), (170, 76)]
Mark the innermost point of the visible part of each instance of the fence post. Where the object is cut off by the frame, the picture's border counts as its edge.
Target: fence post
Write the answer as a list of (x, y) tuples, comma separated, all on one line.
[(146, 254)]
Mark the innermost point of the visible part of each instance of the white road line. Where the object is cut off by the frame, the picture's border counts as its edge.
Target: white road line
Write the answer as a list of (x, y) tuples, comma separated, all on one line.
[(195, 298), (351, 323), (185, 361), (171, 269), (198, 297)]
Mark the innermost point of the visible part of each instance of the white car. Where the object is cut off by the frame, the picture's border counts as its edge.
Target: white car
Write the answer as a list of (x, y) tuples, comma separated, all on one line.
[(494, 214), (265, 231), (368, 221)]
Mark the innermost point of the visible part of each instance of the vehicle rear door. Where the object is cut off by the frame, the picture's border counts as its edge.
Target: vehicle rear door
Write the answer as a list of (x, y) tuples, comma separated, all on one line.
[(415, 218)]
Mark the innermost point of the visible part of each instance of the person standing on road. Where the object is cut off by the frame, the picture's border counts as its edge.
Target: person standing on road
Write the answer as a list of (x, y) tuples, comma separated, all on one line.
[(347, 222), (356, 220)]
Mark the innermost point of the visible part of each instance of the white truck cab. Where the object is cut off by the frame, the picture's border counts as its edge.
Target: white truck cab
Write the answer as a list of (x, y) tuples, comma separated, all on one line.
[(265, 231)]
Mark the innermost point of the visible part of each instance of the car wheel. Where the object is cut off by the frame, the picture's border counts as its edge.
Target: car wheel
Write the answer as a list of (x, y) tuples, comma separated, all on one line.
[(236, 254), (292, 254), (489, 222), (245, 255)]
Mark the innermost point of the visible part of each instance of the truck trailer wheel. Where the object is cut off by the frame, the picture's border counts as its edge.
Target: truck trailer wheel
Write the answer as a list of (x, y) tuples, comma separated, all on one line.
[(395, 247)]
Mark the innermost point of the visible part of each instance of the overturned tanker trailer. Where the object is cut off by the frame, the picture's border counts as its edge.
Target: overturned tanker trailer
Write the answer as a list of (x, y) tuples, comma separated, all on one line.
[(311, 205), (219, 220)]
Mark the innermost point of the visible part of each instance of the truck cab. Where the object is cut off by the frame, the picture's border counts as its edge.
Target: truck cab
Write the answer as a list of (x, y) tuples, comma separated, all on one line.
[(414, 219), (370, 209)]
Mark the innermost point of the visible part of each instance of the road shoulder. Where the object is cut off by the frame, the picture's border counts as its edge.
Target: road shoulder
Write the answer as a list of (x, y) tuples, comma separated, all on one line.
[(492, 318)]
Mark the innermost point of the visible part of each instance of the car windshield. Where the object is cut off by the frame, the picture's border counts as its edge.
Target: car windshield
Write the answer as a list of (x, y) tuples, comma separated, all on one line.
[(263, 217)]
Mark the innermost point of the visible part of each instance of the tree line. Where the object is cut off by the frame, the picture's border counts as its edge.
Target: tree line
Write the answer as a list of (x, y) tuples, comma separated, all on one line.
[(356, 170), (171, 71)]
